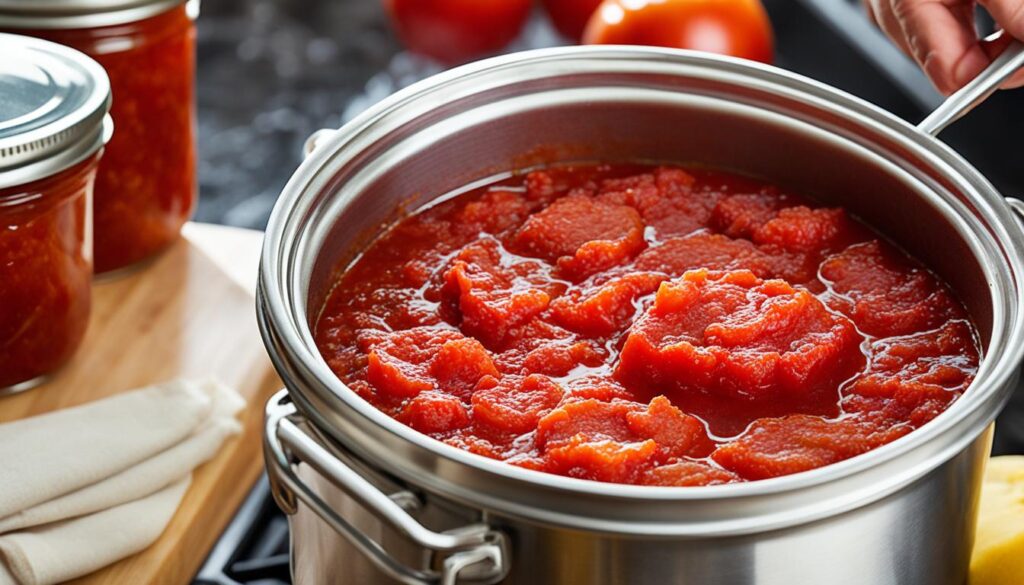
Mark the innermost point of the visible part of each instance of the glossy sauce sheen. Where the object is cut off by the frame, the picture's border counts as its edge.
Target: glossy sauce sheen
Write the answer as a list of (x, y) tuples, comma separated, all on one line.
[(643, 325)]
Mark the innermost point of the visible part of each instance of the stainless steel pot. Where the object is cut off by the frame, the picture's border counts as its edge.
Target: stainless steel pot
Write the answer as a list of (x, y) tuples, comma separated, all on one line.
[(373, 501)]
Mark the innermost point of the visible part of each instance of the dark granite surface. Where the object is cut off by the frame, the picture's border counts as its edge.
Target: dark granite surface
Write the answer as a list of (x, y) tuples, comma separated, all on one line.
[(270, 72)]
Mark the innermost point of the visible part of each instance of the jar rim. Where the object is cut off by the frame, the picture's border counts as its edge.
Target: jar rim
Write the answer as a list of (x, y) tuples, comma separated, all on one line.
[(56, 114), (73, 14)]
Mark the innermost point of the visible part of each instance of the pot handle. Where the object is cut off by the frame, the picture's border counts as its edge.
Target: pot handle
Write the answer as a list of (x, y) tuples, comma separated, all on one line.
[(472, 554), (975, 92)]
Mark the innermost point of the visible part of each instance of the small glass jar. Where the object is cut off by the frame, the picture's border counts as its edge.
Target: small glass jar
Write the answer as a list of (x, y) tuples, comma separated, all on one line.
[(146, 188), (53, 123)]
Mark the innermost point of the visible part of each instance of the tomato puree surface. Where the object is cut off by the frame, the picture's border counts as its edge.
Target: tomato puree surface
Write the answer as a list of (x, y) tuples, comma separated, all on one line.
[(655, 326)]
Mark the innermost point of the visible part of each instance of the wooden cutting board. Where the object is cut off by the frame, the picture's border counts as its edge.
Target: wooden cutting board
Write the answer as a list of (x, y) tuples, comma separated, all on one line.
[(190, 313)]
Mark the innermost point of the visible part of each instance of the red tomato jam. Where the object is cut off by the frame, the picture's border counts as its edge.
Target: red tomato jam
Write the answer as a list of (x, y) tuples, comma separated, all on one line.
[(654, 326), (45, 272), (146, 186)]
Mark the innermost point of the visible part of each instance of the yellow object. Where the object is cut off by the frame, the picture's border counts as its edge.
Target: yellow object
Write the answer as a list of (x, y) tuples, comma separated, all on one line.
[(998, 557)]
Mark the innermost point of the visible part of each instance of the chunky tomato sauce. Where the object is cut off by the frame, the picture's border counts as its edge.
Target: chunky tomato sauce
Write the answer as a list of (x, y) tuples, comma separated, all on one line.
[(146, 187), (45, 272), (653, 326)]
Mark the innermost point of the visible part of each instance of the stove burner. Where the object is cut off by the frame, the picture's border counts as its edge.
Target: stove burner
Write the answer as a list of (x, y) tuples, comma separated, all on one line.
[(253, 550)]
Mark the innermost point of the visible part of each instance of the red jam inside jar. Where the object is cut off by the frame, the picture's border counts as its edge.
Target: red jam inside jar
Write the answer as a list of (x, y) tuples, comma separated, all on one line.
[(146, 187), (656, 326), (45, 272)]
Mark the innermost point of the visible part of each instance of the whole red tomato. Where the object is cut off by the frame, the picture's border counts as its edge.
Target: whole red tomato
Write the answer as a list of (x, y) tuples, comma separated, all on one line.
[(570, 16), (730, 27), (453, 31)]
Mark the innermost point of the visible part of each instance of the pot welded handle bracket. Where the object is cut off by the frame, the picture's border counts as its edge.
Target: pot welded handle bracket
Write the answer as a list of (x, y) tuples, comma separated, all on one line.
[(474, 554), (315, 139), (1017, 206)]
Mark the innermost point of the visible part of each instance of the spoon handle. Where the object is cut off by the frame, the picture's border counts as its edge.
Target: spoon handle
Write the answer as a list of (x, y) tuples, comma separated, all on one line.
[(975, 92)]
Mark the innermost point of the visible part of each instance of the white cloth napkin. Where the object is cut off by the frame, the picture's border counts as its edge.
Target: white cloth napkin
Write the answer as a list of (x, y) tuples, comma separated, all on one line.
[(86, 486)]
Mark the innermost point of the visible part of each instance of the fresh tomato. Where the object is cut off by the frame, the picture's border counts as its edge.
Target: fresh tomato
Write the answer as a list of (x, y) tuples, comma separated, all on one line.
[(453, 31), (731, 27), (570, 16)]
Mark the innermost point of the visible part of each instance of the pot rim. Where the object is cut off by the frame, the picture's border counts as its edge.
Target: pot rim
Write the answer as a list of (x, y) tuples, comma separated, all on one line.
[(283, 328)]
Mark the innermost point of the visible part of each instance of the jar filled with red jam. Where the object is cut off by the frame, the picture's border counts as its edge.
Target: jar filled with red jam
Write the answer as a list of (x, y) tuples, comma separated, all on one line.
[(53, 123), (146, 186)]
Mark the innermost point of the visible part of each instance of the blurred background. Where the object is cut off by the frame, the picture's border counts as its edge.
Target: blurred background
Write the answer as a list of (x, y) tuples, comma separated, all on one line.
[(271, 72)]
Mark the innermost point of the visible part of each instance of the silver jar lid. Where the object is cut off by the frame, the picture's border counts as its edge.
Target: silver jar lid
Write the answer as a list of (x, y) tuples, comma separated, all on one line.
[(53, 108), (60, 14)]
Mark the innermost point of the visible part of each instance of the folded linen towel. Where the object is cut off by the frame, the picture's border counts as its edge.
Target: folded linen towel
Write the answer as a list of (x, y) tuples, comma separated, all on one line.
[(86, 486), (65, 550)]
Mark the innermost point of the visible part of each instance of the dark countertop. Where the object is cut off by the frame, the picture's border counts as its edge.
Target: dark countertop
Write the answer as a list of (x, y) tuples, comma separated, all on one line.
[(270, 72)]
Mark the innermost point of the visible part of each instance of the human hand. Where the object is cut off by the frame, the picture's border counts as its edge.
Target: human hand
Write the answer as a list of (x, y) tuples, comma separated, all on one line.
[(940, 36)]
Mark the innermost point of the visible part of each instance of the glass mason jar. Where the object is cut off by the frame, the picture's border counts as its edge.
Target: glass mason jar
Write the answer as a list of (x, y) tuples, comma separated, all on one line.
[(53, 123), (146, 188)]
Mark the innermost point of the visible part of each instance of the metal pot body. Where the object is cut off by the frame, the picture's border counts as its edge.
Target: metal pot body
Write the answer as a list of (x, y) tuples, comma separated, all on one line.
[(920, 534), (375, 502)]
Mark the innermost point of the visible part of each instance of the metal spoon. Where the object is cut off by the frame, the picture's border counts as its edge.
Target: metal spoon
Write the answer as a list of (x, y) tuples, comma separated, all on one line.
[(975, 92)]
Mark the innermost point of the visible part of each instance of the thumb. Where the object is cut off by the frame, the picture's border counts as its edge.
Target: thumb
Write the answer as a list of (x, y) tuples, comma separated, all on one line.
[(942, 39), (1008, 14), (993, 46)]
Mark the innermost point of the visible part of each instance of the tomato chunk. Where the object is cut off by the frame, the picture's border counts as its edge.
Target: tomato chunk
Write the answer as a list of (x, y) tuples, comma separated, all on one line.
[(782, 446), (741, 215), (496, 212), (884, 294), (591, 419), (644, 191), (734, 333), (687, 473), (434, 412), (673, 432), (603, 306), (494, 291), (548, 184), (796, 268), (802, 229), (605, 460), (514, 404), (582, 235), (675, 256), (596, 387), (913, 378), (398, 363), (459, 364), (545, 348), (677, 434), (946, 358), (665, 200)]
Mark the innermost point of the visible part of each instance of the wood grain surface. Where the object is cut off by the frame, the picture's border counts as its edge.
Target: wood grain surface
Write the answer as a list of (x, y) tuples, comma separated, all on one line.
[(189, 313)]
